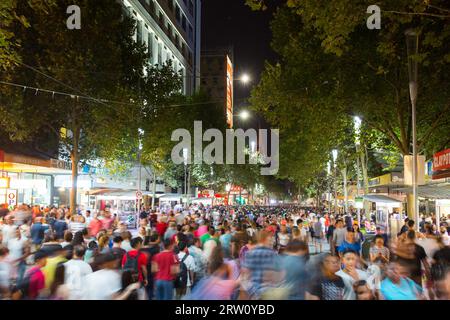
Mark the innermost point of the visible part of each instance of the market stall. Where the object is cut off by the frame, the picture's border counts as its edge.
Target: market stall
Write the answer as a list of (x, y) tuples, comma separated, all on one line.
[(385, 207)]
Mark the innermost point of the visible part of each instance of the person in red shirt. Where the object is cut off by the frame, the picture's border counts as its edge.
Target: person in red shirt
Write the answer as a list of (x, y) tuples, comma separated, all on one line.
[(36, 276), (136, 244), (95, 226), (161, 227), (166, 266), (107, 221)]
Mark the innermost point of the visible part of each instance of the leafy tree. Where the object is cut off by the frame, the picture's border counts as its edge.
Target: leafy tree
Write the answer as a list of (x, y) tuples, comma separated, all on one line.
[(378, 60), (9, 44), (90, 64), (332, 68)]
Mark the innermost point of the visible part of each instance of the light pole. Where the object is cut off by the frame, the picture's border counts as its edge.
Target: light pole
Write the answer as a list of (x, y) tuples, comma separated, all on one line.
[(357, 123), (141, 134), (329, 187), (335, 154), (412, 45), (185, 156)]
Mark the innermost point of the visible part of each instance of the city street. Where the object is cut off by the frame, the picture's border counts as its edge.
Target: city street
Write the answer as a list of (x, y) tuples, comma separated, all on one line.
[(224, 150)]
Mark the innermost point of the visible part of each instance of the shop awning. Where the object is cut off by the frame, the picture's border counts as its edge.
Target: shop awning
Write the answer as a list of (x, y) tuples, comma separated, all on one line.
[(171, 196), (380, 198), (438, 191), (121, 192)]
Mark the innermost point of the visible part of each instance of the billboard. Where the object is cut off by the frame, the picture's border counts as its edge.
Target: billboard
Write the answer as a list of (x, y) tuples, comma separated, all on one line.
[(229, 93), (441, 160), (441, 165)]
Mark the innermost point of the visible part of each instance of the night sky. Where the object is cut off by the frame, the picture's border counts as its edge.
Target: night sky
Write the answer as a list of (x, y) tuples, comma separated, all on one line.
[(231, 22)]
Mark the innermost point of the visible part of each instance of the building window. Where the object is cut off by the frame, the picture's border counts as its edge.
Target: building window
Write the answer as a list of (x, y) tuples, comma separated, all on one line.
[(152, 7), (150, 48), (169, 30), (177, 40), (139, 32), (160, 53), (161, 19), (183, 23), (178, 14), (191, 33), (191, 7)]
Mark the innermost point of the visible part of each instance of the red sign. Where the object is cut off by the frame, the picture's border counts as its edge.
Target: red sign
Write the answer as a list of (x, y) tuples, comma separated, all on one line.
[(441, 160), (206, 194), (2, 156)]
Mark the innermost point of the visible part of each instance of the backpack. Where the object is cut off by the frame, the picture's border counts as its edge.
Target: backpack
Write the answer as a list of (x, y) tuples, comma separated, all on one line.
[(182, 277), (131, 265), (24, 286)]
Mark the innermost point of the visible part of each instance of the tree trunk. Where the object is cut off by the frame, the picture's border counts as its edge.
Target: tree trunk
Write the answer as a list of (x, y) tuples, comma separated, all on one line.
[(154, 189), (363, 159), (344, 176), (74, 157)]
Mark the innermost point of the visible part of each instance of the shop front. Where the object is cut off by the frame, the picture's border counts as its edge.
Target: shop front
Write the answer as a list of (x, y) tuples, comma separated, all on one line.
[(31, 179), (387, 212)]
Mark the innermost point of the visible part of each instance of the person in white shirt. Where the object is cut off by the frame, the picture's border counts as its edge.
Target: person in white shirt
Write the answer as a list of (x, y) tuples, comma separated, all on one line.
[(8, 229), (126, 237), (19, 249), (75, 272), (350, 274), (189, 261), (444, 235), (77, 223), (88, 217), (104, 284)]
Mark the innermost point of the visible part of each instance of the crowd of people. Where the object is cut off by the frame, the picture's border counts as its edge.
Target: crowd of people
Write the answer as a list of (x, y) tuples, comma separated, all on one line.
[(218, 253)]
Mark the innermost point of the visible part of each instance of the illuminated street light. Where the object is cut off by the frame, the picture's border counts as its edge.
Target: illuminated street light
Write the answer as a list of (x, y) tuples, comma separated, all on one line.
[(244, 115), (245, 78)]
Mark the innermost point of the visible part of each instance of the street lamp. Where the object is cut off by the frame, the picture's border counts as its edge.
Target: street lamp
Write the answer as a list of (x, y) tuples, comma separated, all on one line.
[(412, 46), (185, 157), (245, 78), (357, 124), (140, 136), (329, 186), (244, 115)]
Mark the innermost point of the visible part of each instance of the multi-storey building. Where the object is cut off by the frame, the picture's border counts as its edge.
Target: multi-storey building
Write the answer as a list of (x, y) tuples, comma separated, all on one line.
[(217, 78), (171, 31)]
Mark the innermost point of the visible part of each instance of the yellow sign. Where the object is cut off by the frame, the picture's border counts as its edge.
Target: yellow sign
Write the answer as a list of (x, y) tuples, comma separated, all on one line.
[(381, 180)]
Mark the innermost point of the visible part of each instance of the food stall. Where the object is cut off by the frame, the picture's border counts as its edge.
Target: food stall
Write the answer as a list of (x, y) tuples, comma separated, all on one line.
[(384, 208)]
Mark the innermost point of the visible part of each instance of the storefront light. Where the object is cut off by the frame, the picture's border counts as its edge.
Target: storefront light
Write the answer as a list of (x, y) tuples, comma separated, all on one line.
[(4, 182), (39, 184)]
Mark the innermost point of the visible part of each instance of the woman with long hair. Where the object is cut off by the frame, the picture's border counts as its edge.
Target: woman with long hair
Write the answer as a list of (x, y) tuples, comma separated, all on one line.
[(78, 239), (103, 242)]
